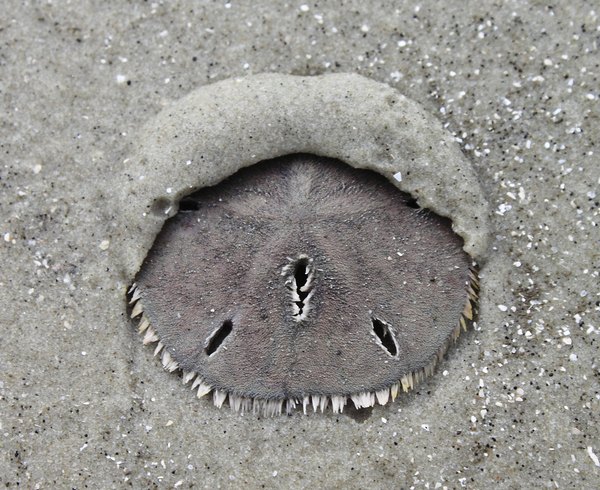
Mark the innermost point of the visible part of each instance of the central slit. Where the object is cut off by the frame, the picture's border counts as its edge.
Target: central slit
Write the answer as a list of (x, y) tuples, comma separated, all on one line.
[(301, 277), (301, 288)]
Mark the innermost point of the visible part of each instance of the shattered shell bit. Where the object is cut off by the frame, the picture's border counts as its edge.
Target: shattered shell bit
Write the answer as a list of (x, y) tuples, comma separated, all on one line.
[(303, 282)]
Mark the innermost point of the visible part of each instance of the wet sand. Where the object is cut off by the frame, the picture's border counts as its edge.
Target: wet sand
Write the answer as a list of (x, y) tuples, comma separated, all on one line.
[(82, 403)]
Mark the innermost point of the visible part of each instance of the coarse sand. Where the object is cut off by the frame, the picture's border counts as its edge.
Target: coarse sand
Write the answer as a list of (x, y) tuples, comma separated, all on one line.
[(515, 403)]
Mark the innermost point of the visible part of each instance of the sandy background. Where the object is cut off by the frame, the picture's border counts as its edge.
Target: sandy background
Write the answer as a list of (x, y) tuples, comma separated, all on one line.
[(83, 405)]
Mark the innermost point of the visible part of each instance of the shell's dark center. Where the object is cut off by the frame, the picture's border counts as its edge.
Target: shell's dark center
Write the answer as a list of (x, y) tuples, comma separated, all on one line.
[(303, 276)]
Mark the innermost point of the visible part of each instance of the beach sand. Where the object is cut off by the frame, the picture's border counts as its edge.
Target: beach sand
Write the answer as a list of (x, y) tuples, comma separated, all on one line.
[(84, 405)]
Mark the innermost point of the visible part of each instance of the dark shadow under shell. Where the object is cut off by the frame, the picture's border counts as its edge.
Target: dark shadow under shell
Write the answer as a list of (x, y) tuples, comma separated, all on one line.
[(302, 276)]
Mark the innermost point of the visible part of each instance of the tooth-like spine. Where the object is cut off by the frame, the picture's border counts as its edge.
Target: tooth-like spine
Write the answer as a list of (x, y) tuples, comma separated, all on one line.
[(383, 396), (187, 376), (337, 403), (363, 400), (278, 407), (132, 288), (266, 407), (305, 402), (235, 402), (219, 397), (316, 399), (168, 362), (159, 347), (150, 336), (271, 407), (203, 389), (246, 405), (324, 402), (135, 296), (137, 310), (468, 310), (165, 358), (144, 324), (290, 405), (429, 368), (394, 391), (372, 399)]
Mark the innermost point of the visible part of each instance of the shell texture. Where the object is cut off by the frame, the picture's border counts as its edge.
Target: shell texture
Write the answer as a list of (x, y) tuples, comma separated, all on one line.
[(303, 282)]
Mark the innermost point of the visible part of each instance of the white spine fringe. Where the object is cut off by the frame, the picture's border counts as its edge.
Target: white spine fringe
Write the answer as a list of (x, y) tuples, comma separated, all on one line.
[(269, 408)]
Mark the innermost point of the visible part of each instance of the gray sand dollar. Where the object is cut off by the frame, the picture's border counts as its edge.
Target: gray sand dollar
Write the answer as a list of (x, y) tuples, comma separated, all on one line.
[(301, 280)]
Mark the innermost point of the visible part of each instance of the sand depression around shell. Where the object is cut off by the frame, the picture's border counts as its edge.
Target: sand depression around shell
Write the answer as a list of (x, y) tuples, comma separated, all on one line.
[(217, 130)]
